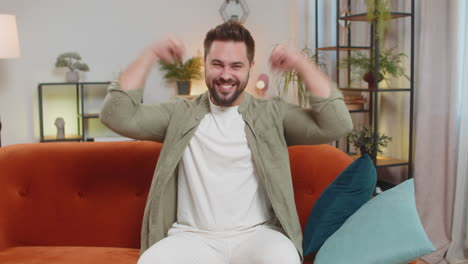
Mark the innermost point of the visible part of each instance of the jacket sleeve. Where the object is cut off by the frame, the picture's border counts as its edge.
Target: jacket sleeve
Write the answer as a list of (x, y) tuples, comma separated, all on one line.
[(124, 113), (325, 121)]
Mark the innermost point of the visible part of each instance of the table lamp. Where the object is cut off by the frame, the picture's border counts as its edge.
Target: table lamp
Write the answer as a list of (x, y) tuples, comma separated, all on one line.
[(9, 43)]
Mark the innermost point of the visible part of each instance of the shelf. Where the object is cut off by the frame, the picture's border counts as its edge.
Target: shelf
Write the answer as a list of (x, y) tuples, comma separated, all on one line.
[(90, 115), (78, 107), (67, 138), (344, 48), (363, 16), (345, 40), (386, 161), (364, 89), (75, 83), (359, 111)]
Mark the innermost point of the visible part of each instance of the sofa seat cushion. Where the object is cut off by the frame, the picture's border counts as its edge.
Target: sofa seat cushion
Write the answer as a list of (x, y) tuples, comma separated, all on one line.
[(52, 255)]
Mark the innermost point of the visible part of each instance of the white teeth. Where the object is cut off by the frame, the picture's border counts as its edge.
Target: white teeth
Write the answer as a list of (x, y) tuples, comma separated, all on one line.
[(226, 86)]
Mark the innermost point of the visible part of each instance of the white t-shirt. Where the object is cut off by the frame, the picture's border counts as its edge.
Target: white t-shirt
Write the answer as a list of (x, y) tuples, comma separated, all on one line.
[(218, 187)]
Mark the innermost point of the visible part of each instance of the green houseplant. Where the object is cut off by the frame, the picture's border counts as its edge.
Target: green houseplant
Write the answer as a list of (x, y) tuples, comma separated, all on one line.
[(390, 63), (379, 11), (363, 139), (292, 78), (72, 61), (182, 73)]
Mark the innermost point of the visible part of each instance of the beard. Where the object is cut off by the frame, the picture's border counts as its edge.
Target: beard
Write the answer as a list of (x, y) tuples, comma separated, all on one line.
[(226, 99)]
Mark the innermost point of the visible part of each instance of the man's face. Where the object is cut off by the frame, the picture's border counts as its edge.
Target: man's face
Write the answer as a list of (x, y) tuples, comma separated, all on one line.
[(227, 71)]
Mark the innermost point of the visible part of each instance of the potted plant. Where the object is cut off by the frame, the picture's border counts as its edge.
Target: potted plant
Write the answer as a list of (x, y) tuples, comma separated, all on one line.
[(183, 73), (292, 78), (71, 60), (379, 11), (363, 139), (390, 63)]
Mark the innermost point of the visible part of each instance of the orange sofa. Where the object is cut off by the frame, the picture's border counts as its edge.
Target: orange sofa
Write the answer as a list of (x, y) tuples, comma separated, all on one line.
[(84, 202)]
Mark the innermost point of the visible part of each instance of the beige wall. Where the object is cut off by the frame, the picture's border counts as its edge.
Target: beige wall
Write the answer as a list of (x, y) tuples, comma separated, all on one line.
[(108, 35)]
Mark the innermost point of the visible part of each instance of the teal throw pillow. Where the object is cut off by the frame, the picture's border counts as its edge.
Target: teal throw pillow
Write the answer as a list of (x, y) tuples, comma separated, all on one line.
[(344, 196), (386, 230)]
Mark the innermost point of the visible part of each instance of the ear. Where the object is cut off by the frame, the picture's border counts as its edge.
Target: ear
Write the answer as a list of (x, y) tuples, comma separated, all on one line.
[(252, 64)]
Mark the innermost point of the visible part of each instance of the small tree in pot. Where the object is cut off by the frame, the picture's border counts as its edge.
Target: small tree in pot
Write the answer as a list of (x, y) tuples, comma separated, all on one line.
[(183, 73), (363, 139), (71, 60), (390, 63)]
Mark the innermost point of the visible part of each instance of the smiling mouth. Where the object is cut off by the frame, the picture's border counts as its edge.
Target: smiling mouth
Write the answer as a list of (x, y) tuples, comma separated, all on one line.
[(225, 88)]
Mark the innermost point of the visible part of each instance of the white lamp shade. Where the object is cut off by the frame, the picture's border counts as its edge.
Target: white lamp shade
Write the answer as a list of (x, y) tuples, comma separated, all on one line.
[(9, 43)]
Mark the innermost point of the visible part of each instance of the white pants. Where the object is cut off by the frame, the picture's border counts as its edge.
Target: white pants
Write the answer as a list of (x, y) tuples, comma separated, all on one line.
[(261, 245)]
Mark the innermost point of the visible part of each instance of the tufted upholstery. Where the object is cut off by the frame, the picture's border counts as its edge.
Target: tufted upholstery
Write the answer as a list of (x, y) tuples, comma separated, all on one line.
[(84, 202)]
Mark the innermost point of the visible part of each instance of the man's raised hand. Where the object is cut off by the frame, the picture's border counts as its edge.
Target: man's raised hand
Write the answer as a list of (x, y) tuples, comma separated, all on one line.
[(134, 76), (284, 59), (170, 50)]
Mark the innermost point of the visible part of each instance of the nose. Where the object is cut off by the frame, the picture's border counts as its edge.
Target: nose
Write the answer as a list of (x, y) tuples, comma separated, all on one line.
[(226, 74)]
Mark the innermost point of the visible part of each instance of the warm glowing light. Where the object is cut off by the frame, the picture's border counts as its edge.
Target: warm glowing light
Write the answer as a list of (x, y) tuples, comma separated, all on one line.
[(260, 84)]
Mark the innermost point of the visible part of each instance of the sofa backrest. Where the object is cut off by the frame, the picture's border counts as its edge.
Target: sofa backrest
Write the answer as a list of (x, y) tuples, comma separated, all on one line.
[(75, 194), (94, 194)]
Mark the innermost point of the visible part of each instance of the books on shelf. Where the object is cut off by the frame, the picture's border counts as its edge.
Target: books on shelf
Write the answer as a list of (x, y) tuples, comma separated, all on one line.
[(355, 102)]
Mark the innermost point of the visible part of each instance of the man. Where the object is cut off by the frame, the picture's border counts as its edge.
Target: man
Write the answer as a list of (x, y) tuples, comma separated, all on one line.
[(222, 189)]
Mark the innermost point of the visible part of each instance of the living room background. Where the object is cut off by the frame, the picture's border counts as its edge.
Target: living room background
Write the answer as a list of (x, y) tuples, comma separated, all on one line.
[(108, 35)]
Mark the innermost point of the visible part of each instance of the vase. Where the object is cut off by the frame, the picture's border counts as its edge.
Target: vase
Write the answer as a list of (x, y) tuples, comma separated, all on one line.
[(363, 151), (370, 79), (73, 76), (183, 87)]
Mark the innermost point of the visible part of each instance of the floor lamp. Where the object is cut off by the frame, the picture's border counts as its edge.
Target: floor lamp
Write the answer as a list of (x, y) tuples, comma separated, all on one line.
[(9, 43)]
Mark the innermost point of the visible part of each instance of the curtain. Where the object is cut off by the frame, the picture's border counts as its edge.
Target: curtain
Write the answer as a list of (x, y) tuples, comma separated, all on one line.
[(458, 250), (437, 106)]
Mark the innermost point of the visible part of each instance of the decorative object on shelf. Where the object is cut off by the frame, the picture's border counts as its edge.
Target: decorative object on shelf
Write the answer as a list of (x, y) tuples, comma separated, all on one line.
[(292, 78), (262, 84), (379, 10), (71, 60), (183, 73), (363, 139), (355, 102), (236, 10), (9, 43), (60, 124), (344, 23), (390, 63)]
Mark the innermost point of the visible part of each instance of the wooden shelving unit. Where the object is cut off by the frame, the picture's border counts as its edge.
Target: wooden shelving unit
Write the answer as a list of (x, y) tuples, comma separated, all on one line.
[(344, 47)]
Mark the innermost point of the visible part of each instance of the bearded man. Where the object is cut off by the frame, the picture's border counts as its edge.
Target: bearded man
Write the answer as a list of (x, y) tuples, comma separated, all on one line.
[(222, 189)]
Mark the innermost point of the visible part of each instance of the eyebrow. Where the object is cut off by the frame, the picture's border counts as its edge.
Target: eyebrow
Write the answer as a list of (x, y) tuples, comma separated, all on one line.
[(232, 63)]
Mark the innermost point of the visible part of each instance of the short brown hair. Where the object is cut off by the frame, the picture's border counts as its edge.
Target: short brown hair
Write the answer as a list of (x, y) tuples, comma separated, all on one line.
[(234, 31)]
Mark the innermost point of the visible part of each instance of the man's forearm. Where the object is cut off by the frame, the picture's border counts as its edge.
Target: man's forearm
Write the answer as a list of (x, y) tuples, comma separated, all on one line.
[(135, 75), (316, 81)]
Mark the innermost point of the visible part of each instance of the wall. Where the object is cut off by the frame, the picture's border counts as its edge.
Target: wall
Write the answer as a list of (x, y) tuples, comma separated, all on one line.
[(108, 35)]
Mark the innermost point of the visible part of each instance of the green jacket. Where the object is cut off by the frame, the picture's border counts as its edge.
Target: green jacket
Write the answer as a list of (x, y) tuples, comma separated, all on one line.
[(271, 126)]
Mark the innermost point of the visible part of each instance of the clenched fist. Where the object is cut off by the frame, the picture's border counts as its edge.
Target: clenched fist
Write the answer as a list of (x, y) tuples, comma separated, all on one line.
[(170, 50), (284, 59)]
